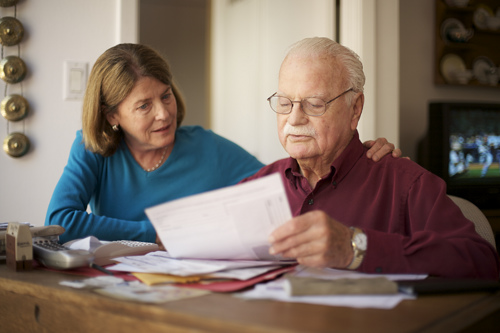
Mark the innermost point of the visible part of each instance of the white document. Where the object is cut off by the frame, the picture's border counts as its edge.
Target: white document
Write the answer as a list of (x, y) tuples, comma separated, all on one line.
[(279, 289), (230, 223), (160, 262)]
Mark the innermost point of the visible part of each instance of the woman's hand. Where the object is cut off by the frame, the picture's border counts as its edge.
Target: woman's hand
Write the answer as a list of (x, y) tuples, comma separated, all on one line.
[(379, 148)]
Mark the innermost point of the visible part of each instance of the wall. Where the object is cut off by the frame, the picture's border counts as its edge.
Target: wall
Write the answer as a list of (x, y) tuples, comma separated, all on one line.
[(417, 86), (179, 30), (249, 39), (55, 31), (371, 29)]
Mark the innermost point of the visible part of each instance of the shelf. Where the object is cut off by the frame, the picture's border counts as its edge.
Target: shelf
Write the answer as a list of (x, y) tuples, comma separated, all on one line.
[(483, 43)]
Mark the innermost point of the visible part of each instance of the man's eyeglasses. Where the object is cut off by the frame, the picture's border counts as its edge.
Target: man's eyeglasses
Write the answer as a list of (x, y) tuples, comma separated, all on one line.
[(311, 106)]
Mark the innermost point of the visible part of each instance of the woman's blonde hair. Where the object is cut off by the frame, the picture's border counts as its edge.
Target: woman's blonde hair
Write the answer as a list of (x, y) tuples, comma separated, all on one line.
[(111, 80)]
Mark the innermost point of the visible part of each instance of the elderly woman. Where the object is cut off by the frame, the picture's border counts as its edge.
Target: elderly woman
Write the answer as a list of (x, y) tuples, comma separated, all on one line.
[(132, 152)]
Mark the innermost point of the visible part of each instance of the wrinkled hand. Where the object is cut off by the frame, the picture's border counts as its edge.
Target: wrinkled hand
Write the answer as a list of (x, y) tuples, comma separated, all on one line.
[(314, 239), (160, 245), (379, 148)]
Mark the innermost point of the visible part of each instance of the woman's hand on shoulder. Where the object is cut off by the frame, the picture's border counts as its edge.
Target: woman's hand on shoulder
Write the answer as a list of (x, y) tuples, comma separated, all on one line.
[(379, 148)]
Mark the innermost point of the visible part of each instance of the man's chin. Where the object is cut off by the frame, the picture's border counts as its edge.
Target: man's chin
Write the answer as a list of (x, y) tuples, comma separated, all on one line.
[(298, 153)]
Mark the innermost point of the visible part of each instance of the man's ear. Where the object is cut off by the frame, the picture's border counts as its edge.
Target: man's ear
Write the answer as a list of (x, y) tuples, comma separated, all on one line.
[(357, 107)]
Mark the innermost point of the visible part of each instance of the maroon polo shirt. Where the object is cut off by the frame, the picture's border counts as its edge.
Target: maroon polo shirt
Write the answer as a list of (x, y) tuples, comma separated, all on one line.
[(411, 224)]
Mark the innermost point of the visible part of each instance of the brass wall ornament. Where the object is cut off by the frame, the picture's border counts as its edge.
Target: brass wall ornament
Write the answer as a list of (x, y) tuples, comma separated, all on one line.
[(14, 107), (8, 3), (11, 31), (16, 144), (12, 69)]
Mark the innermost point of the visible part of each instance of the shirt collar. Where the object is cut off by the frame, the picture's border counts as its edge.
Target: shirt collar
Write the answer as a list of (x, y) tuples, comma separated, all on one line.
[(340, 167), (345, 162)]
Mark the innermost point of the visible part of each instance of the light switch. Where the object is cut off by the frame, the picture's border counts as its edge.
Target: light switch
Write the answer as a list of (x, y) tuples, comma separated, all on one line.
[(75, 80)]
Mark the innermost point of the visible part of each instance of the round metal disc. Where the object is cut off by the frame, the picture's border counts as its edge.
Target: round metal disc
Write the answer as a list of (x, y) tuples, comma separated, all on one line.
[(8, 3), (11, 31), (16, 144), (12, 69), (14, 107)]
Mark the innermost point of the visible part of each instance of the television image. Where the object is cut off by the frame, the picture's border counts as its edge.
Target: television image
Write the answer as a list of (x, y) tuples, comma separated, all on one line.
[(462, 146)]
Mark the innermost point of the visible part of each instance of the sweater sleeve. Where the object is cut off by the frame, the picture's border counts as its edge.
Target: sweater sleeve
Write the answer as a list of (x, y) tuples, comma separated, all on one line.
[(234, 162), (73, 192), (441, 242)]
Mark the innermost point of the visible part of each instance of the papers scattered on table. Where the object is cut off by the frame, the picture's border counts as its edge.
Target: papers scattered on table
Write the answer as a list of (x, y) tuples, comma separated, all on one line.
[(228, 223), (147, 294), (217, 275), (280, 290), (162, 262), (157, 268), (134, 290)]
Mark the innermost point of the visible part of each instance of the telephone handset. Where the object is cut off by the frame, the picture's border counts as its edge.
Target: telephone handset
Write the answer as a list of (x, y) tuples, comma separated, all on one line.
[(49, 252), (54, 255)]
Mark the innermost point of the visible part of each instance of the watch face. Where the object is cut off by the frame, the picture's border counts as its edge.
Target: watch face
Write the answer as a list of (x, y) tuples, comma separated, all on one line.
[(360, 241)]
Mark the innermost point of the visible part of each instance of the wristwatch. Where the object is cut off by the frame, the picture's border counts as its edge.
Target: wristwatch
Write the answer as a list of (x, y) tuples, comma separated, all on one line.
[(359, 244)]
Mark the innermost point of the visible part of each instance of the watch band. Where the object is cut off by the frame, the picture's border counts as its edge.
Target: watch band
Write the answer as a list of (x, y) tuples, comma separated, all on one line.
[(359, 249)]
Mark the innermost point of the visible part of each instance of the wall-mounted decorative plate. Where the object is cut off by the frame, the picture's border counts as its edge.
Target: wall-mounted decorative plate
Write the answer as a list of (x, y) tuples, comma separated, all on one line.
[(450, 65), (12, 69), (16, 144), (485, 70), (14, 107), (453, 30), (480, 17), (11, 31)]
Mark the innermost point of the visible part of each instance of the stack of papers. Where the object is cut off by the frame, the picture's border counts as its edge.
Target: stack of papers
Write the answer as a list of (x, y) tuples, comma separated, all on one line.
[(217, 237), (159, 267)]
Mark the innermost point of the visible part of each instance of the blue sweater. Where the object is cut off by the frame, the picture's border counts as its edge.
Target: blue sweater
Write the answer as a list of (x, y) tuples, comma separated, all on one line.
[(118, 189)]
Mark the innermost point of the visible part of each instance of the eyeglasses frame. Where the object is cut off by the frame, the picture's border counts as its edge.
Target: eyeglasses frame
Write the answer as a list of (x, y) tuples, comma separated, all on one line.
[(300, 102)]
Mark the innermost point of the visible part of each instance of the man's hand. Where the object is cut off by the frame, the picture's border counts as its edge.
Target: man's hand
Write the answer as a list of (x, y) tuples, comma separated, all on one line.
[(379, 148), (314, 239)]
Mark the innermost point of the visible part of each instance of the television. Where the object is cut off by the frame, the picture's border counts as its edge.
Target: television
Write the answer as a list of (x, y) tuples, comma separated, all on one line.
[(462, 146)]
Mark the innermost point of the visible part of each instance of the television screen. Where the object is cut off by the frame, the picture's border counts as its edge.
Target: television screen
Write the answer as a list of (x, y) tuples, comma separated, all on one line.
[(463, 147), (474, 144)]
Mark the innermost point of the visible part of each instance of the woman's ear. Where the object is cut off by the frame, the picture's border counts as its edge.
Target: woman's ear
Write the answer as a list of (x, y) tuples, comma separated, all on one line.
[(357, 107), (111, 117)]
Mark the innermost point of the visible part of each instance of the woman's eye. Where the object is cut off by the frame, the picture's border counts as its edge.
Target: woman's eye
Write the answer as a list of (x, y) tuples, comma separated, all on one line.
[(167, 96), (143, 106)]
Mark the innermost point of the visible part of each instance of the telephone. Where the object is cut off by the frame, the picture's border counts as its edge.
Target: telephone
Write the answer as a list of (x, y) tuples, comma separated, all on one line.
[(54, 255), (49, 252), (105, 251), (62, 256)]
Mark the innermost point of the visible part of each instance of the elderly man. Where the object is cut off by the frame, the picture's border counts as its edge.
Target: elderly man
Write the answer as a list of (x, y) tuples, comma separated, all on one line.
[(349, 212)]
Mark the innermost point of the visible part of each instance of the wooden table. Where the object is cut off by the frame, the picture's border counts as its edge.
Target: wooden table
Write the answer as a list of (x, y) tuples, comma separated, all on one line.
[(35, 302)]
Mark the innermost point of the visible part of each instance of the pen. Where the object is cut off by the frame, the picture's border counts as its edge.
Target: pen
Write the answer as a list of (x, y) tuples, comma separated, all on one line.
[(102, 269)]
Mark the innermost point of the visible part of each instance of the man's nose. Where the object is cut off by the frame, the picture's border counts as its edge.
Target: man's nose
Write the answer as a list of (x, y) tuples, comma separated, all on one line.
[(297, 115)]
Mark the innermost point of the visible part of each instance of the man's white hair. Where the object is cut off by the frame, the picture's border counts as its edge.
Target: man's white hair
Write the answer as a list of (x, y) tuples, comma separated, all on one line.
[(322, 46)]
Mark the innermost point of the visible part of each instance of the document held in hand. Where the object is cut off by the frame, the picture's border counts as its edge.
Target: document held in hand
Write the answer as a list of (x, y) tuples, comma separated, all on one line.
[(229, 223)]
